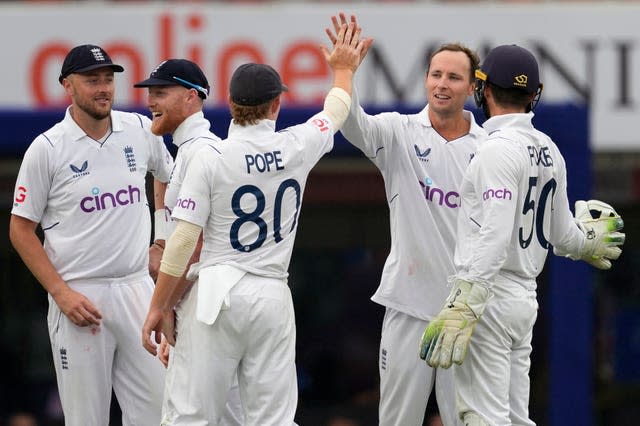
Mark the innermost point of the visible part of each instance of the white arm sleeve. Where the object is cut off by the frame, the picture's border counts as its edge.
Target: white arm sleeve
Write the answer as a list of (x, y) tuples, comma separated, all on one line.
[(179, 249), (336, 106)]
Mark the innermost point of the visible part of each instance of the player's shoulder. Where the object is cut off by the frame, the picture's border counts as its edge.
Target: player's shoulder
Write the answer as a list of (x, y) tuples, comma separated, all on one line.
[(54, 137), (131, 119)]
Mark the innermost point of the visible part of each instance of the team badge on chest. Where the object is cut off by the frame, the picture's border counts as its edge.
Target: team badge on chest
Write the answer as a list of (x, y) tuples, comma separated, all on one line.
[(130, 157)]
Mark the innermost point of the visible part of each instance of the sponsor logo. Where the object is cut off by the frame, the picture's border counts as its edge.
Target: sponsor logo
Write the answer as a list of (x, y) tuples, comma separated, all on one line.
[(450, 199), (21, 195), (501, 194), (130, 157), (321, 124), (520, 80), (422, 155), (107, 200), (187, 203), (79, 171)]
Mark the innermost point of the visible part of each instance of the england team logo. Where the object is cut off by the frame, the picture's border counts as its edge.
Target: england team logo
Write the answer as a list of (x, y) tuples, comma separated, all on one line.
[(130, 157)]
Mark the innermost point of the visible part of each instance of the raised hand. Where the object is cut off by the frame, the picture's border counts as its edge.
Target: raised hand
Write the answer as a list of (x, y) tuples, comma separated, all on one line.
[(337, 26)]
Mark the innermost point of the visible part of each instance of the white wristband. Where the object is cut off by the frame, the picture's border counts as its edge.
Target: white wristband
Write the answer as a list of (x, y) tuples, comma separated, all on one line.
[(160, 225)]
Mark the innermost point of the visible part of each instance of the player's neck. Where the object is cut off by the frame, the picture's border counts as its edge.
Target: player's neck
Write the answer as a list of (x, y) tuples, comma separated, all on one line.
[(94, 128), (450, 127)]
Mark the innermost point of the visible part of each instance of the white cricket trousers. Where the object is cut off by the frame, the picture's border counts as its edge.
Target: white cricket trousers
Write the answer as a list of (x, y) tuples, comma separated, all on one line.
[(406, 381), (493, 380), (90, 361), (254, 338)]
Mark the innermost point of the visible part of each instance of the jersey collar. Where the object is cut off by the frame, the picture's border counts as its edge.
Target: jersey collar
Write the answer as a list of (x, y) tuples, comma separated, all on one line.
[(251, 131), (475, 129), (518, 121), (76, 133), (194, 124)]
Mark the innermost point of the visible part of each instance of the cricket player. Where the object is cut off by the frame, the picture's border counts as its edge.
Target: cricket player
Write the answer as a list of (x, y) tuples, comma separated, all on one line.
[(514, 208), (422, 158), (246, 194), (177, 91), (83, 182)]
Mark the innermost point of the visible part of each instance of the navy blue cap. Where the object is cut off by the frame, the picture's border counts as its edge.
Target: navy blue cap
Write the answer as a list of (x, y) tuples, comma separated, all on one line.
[(84, 58), (255, 84), (511, 67), (178, 72)]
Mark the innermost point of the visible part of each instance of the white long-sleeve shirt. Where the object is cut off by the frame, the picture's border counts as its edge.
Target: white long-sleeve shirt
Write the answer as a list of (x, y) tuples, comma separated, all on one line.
[(191, 135), (246, 193), (422, 174), (514, 205)]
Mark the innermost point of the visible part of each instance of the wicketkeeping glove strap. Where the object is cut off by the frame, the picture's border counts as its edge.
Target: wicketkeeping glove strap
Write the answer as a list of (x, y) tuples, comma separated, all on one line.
[(446, 338)]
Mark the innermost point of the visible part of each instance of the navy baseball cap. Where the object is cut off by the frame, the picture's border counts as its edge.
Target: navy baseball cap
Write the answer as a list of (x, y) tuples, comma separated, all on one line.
[(84, 58), (178, 72), (255, 84), (511, 67)]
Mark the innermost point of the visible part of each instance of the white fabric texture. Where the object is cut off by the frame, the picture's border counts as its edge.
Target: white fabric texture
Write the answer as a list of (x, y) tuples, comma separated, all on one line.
[(254, 162), (507, 222), (213, 291), (78, 188), (405, 380), (89, 361), (493, 380), (422, 174), (207, 358)]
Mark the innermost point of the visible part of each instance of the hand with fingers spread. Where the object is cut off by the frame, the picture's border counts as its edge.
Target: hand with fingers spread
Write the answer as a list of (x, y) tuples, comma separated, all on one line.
[(337, 26), (77, 307), (346, 50)]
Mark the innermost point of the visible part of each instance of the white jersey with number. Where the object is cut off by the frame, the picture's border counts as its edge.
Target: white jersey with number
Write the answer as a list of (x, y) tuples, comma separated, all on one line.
[(89, 197), (422, 174), (191, 135), (247, 193), (514, 205)]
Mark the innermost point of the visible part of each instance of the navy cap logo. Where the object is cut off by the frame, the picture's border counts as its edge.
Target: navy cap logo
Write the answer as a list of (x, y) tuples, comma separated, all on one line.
[(521, 80)]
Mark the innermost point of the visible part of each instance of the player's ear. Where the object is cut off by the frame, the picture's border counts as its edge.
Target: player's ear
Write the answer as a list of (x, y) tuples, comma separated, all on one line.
[(275, 105), (66, 84)]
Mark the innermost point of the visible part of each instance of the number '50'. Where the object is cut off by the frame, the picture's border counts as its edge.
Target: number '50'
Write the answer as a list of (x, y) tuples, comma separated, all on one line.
[(537, 218), (255, 215)]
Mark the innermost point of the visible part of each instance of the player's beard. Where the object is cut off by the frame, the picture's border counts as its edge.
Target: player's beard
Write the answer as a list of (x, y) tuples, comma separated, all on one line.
[(166, 124), (93, 109)]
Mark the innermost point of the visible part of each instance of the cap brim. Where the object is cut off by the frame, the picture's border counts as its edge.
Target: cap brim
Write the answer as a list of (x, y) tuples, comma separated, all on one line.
[(153, 81), (284, 88), (114, 67)]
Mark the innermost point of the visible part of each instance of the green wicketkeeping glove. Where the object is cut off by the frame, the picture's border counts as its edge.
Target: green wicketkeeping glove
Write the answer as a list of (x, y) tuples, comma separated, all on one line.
[(446, 338), (600, 223)]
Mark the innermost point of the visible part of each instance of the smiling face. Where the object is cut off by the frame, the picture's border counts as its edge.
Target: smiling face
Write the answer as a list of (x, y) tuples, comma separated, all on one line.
[(169, 107), (92, 92), (448, 82)]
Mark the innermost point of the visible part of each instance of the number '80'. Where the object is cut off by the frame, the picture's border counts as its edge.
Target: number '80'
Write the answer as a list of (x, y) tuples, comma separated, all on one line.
[(255, 215)]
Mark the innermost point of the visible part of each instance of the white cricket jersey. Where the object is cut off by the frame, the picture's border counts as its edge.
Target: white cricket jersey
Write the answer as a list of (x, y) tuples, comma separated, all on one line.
[(89, 197), (514, 205), (422, 173), (191, 135), (247, 193)]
